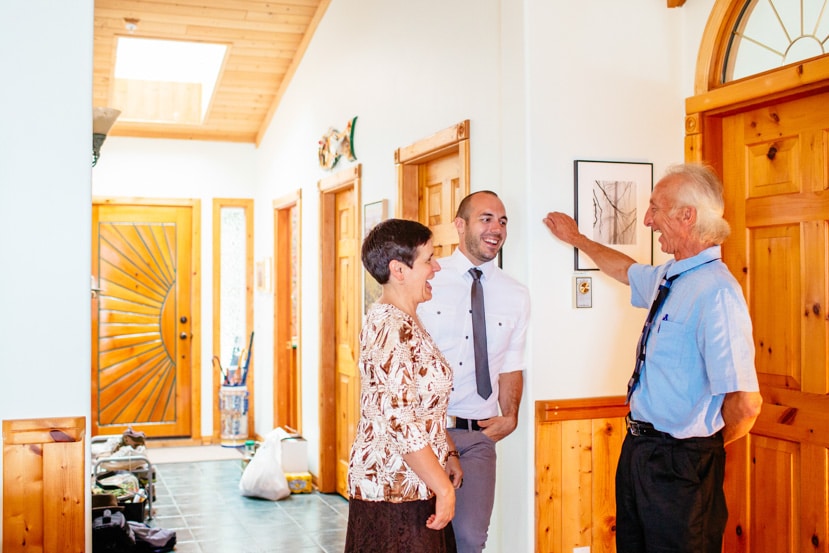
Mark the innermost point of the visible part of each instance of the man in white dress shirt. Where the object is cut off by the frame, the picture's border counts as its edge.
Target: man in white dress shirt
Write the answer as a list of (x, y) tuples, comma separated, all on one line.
[(475, 421)]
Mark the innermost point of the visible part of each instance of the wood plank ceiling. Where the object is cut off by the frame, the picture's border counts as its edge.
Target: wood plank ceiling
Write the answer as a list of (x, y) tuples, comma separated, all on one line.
[(266, 41)]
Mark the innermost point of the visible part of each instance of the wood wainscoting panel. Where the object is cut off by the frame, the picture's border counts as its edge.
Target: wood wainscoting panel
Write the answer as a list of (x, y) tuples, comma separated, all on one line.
[(577, 445)]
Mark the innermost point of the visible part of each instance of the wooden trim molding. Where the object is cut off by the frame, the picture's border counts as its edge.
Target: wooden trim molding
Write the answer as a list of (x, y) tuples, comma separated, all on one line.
[(288, 200), (786, 81), (340, 179), (409, 160), (711, 55), (579, 409), (433, 145)]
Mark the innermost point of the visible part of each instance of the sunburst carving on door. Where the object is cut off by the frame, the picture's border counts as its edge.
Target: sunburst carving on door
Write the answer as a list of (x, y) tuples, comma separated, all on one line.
[(136, 323)]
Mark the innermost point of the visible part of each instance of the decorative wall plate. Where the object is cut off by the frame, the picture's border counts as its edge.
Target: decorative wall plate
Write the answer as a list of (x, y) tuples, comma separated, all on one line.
[(335, 144)]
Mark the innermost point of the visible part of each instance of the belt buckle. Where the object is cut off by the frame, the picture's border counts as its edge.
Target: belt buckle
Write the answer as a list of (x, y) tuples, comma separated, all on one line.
[(632, 427), (451, 421)]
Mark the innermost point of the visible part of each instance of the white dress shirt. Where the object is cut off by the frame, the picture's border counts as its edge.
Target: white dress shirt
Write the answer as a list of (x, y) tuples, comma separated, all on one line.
[(448, 318)]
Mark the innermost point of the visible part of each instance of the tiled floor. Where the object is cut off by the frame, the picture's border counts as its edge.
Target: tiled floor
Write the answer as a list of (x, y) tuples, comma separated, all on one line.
[(202, 503)]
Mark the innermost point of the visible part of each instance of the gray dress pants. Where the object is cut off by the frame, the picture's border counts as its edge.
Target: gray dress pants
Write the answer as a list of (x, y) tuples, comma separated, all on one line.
[(474, 500)]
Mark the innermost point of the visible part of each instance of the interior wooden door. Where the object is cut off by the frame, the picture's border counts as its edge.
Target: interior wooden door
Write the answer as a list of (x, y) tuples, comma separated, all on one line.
[(142, 320), (433, 178), (441, 192), (287, 251), (777, 192), (346, 330), (340, 303)]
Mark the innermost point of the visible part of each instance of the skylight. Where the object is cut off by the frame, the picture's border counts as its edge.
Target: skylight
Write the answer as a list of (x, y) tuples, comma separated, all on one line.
[(165, 81)]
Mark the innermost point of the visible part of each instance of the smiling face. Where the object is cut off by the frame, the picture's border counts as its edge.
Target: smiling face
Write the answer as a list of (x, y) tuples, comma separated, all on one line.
[(673, 223), (423, 269), (484, 229)]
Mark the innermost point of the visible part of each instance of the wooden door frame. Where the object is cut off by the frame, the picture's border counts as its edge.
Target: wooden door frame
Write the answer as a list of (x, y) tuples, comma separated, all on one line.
[(713, 102), (408, 161), (704, 142), (328, 188), (282, 371), (705, 111), (195, 306)]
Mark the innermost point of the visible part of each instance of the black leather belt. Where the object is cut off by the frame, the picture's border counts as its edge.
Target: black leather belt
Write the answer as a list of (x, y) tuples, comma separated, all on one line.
[(463, 424), (639, 428)]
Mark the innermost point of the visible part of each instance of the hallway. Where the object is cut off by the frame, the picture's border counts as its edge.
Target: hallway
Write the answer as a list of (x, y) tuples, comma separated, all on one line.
[(202, 503)]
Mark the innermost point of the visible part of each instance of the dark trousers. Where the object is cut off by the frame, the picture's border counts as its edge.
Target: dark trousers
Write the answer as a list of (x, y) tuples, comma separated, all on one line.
[(669, 495)]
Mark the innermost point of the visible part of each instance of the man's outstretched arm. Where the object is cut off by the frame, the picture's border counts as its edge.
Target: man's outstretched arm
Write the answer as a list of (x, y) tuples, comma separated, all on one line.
[(610, 261)]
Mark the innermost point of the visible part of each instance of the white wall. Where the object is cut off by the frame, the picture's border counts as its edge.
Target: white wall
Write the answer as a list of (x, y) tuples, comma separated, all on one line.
[(542, 82), (405, 74), (45, 164), (589, 105)]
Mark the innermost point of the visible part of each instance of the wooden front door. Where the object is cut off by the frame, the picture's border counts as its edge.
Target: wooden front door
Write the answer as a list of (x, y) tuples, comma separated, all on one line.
[(340, 295), (777, 192), (433, 178), (142, 319)]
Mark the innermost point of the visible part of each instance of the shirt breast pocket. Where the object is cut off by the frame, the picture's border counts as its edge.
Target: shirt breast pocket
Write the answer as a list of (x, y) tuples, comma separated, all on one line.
[(441, 323), (499, 330), (669, 344)]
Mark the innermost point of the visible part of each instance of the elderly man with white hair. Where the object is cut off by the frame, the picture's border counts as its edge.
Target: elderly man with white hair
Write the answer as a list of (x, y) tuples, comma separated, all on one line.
[(694, 386)]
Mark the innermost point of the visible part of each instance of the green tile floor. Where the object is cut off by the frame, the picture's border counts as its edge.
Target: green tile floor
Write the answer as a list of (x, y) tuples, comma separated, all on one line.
[(202, 503)]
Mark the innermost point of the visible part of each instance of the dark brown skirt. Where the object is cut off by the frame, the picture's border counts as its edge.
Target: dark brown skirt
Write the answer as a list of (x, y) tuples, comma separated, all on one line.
[(384, 527)]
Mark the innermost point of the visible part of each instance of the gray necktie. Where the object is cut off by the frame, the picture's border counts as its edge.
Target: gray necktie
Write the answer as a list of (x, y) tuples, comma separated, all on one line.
[(479, 336)]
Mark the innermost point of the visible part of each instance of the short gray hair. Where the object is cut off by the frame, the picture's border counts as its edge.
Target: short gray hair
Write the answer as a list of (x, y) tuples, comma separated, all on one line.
[(702, 189)]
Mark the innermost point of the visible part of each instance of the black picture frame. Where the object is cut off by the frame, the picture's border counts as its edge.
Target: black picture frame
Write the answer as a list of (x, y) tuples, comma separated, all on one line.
[(611, 198)]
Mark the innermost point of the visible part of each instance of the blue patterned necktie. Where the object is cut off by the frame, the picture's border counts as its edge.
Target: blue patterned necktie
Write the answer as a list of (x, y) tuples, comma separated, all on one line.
[(664, 288)]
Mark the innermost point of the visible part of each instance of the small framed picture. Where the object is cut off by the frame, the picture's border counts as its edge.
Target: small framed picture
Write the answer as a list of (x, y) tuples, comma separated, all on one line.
[(611, 198), (373, 213), (263, 275)]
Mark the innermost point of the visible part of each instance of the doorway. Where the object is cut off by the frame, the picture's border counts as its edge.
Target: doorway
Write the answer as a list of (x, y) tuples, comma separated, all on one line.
[(287, 251), (433, 178), (768, 137), (145, 317), (340, 294)]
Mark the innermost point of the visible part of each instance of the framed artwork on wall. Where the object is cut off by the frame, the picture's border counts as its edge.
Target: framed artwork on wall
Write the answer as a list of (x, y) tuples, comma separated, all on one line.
[(263, 276), (373, 213), (611, 198)]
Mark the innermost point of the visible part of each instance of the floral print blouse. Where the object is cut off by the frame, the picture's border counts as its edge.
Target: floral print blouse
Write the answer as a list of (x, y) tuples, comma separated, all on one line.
[(405, 385)]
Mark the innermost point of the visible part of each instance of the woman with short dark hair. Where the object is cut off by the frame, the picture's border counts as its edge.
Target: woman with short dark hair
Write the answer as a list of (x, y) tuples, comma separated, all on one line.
[(403, 469)]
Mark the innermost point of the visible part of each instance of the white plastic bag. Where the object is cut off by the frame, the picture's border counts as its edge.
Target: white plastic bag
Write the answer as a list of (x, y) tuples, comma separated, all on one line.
[(263, 477)]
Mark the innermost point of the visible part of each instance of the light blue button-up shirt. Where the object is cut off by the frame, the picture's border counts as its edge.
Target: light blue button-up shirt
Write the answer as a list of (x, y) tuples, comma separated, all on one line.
[(700, 348)]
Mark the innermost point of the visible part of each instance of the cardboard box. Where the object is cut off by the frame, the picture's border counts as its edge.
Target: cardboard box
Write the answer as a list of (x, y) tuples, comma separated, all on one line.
[(294, 454), (299, 482)]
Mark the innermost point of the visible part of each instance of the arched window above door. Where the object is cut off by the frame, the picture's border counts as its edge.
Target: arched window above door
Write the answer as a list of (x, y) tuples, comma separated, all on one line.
[(768, 34)]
